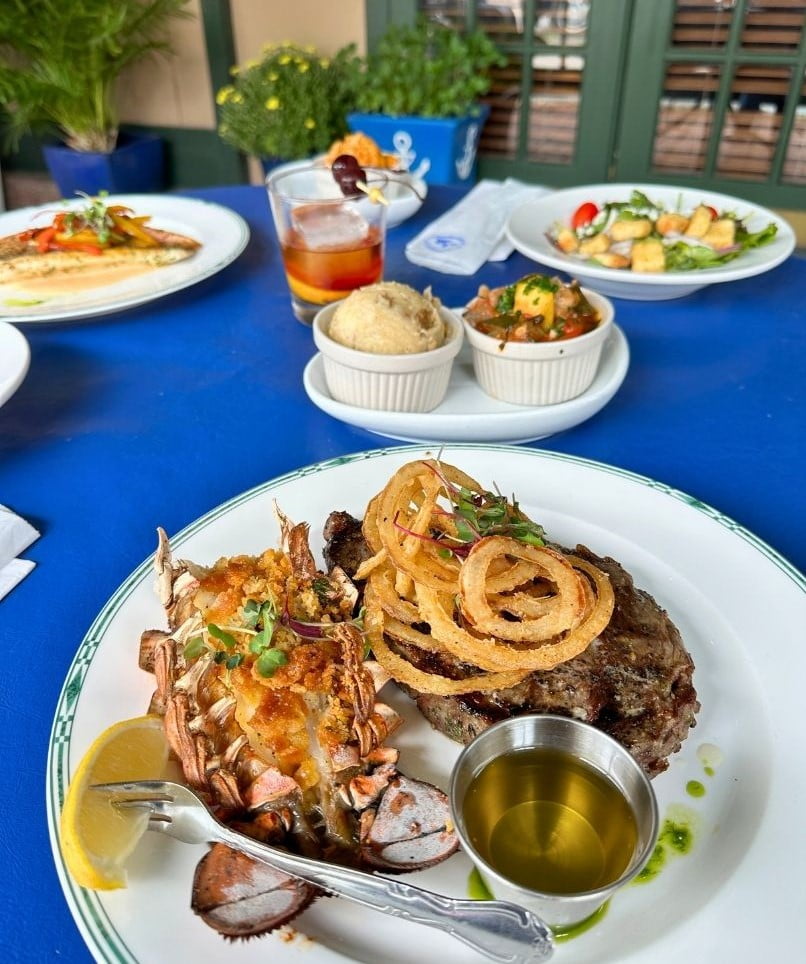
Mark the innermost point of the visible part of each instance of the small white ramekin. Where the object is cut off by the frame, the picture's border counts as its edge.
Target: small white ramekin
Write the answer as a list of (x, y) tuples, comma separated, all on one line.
[(540, 373), (394, 383)]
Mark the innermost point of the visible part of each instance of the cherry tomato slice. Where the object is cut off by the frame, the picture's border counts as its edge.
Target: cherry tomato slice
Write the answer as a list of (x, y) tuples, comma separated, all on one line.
[(714, 212), (584, 214)]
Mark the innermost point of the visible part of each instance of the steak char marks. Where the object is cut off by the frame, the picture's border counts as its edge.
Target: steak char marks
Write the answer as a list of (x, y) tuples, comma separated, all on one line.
[(634, 681)]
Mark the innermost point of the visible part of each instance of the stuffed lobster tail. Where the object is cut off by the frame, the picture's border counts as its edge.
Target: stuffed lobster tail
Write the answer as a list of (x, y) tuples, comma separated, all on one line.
[(270, 706)]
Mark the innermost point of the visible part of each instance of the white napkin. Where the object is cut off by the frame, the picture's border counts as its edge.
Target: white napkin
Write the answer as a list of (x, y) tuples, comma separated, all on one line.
[(462, 239), (15, 536)]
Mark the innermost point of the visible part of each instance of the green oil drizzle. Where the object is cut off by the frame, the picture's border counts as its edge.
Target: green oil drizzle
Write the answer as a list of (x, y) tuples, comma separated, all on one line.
[(476, 888), (675, 839), (566, 932), (709, 771), (695, 789), (22, 302)]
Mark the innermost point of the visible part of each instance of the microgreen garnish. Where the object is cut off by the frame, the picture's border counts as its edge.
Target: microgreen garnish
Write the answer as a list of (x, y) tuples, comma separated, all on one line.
[(269, 661), (323, 589), (194, 647), (479, 514), (221, 635)]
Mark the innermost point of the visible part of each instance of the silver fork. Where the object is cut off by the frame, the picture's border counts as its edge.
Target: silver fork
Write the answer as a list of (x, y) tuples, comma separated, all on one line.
[(499, 930)]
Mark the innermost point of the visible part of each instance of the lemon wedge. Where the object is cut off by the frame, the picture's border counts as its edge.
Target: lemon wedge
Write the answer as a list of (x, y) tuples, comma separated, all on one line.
[(96, 838)]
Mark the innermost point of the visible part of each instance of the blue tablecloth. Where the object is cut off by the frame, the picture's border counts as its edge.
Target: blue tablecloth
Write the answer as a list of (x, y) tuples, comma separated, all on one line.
[(155, 415)]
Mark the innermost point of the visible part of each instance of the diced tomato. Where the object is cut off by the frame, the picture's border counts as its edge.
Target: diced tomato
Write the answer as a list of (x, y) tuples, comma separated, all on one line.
[(714, 212), (584, 214)]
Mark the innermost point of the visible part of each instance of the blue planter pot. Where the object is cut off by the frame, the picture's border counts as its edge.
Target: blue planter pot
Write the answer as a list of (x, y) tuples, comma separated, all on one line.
[(440, 150), (135, 166)]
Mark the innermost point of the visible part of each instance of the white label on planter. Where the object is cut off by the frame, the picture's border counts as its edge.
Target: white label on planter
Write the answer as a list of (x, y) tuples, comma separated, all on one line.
[(464, 163), (402, 142)]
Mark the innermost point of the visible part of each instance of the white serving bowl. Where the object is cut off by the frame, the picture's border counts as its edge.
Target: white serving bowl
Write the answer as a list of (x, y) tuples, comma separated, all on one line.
[(404, 191), (393, 383), (529, 225), (540, 373)]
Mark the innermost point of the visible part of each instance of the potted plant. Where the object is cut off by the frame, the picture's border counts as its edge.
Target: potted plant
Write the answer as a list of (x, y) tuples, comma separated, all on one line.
[(419, 97), (59, 63), (290, 104)]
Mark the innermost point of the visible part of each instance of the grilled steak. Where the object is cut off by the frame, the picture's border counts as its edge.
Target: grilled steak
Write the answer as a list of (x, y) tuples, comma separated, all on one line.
[(634, 681)]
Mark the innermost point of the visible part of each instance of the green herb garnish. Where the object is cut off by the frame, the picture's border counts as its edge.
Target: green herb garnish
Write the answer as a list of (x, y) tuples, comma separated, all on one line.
[(270, 661), (221, 635)]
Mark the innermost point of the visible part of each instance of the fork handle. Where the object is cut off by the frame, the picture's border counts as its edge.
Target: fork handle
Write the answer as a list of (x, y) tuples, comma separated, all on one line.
[(501, 931)]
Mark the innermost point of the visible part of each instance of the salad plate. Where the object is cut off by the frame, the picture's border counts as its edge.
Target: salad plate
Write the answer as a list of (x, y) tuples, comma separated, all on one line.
[(467, 414), (15, 358), (531, 227), (713, 902), (223, 235)]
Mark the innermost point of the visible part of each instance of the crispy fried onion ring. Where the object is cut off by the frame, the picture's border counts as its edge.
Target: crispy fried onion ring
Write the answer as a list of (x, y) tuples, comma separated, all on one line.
[(506, 607)]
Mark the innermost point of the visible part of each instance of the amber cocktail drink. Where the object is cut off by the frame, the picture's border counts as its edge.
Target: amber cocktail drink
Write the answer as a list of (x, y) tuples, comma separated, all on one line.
[(331, 243)]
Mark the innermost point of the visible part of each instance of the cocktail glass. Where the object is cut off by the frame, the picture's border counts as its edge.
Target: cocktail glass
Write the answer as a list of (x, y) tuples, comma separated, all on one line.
[(331, 243)]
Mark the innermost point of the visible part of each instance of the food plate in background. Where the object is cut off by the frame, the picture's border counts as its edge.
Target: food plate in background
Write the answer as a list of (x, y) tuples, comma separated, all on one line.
[(15, 357), (467, 414), (404, 191), (528, 228), (223, 235), (707, 904)]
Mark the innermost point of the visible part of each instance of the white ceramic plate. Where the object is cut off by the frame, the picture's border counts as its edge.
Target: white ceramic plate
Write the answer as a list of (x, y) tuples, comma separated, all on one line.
[(404, 191), (223, 233), (467, 414), (739, 894), (528, 226), (15, 357)]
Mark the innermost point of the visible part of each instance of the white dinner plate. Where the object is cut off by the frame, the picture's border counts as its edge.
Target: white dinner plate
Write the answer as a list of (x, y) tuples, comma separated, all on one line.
[(15, 357), (405, 192), (223, 234), (529, 225), (740, 607), (467, 414)]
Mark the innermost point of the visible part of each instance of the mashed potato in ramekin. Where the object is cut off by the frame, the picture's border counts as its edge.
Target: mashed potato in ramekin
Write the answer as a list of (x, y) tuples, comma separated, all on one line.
[(389, 318)]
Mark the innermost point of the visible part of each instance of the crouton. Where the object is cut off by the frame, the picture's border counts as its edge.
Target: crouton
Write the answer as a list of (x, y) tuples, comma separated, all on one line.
[(595, 245), (700, 222), (630, 230), (567, 241), (609, 259), (671, 223), (721, 234), (648, 255)]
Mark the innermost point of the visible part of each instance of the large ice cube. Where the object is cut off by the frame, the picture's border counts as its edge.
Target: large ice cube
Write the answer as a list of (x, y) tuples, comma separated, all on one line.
[(326, 226)]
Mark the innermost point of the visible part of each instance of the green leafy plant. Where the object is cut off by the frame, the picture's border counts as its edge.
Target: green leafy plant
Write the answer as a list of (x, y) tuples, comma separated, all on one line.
[(428, 69), (291, 103), (60, 59)]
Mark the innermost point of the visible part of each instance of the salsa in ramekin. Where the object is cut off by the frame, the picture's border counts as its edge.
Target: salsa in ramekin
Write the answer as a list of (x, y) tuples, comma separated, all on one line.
[(534, 309)]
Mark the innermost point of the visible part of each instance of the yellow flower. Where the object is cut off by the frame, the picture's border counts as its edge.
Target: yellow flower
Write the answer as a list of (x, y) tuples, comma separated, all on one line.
[(251, 63), (324, 62), (224, 95), (310, 123), (237, 98), (285, 59), (273, 76), (273, 103), (303, 68), (234, 71)]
